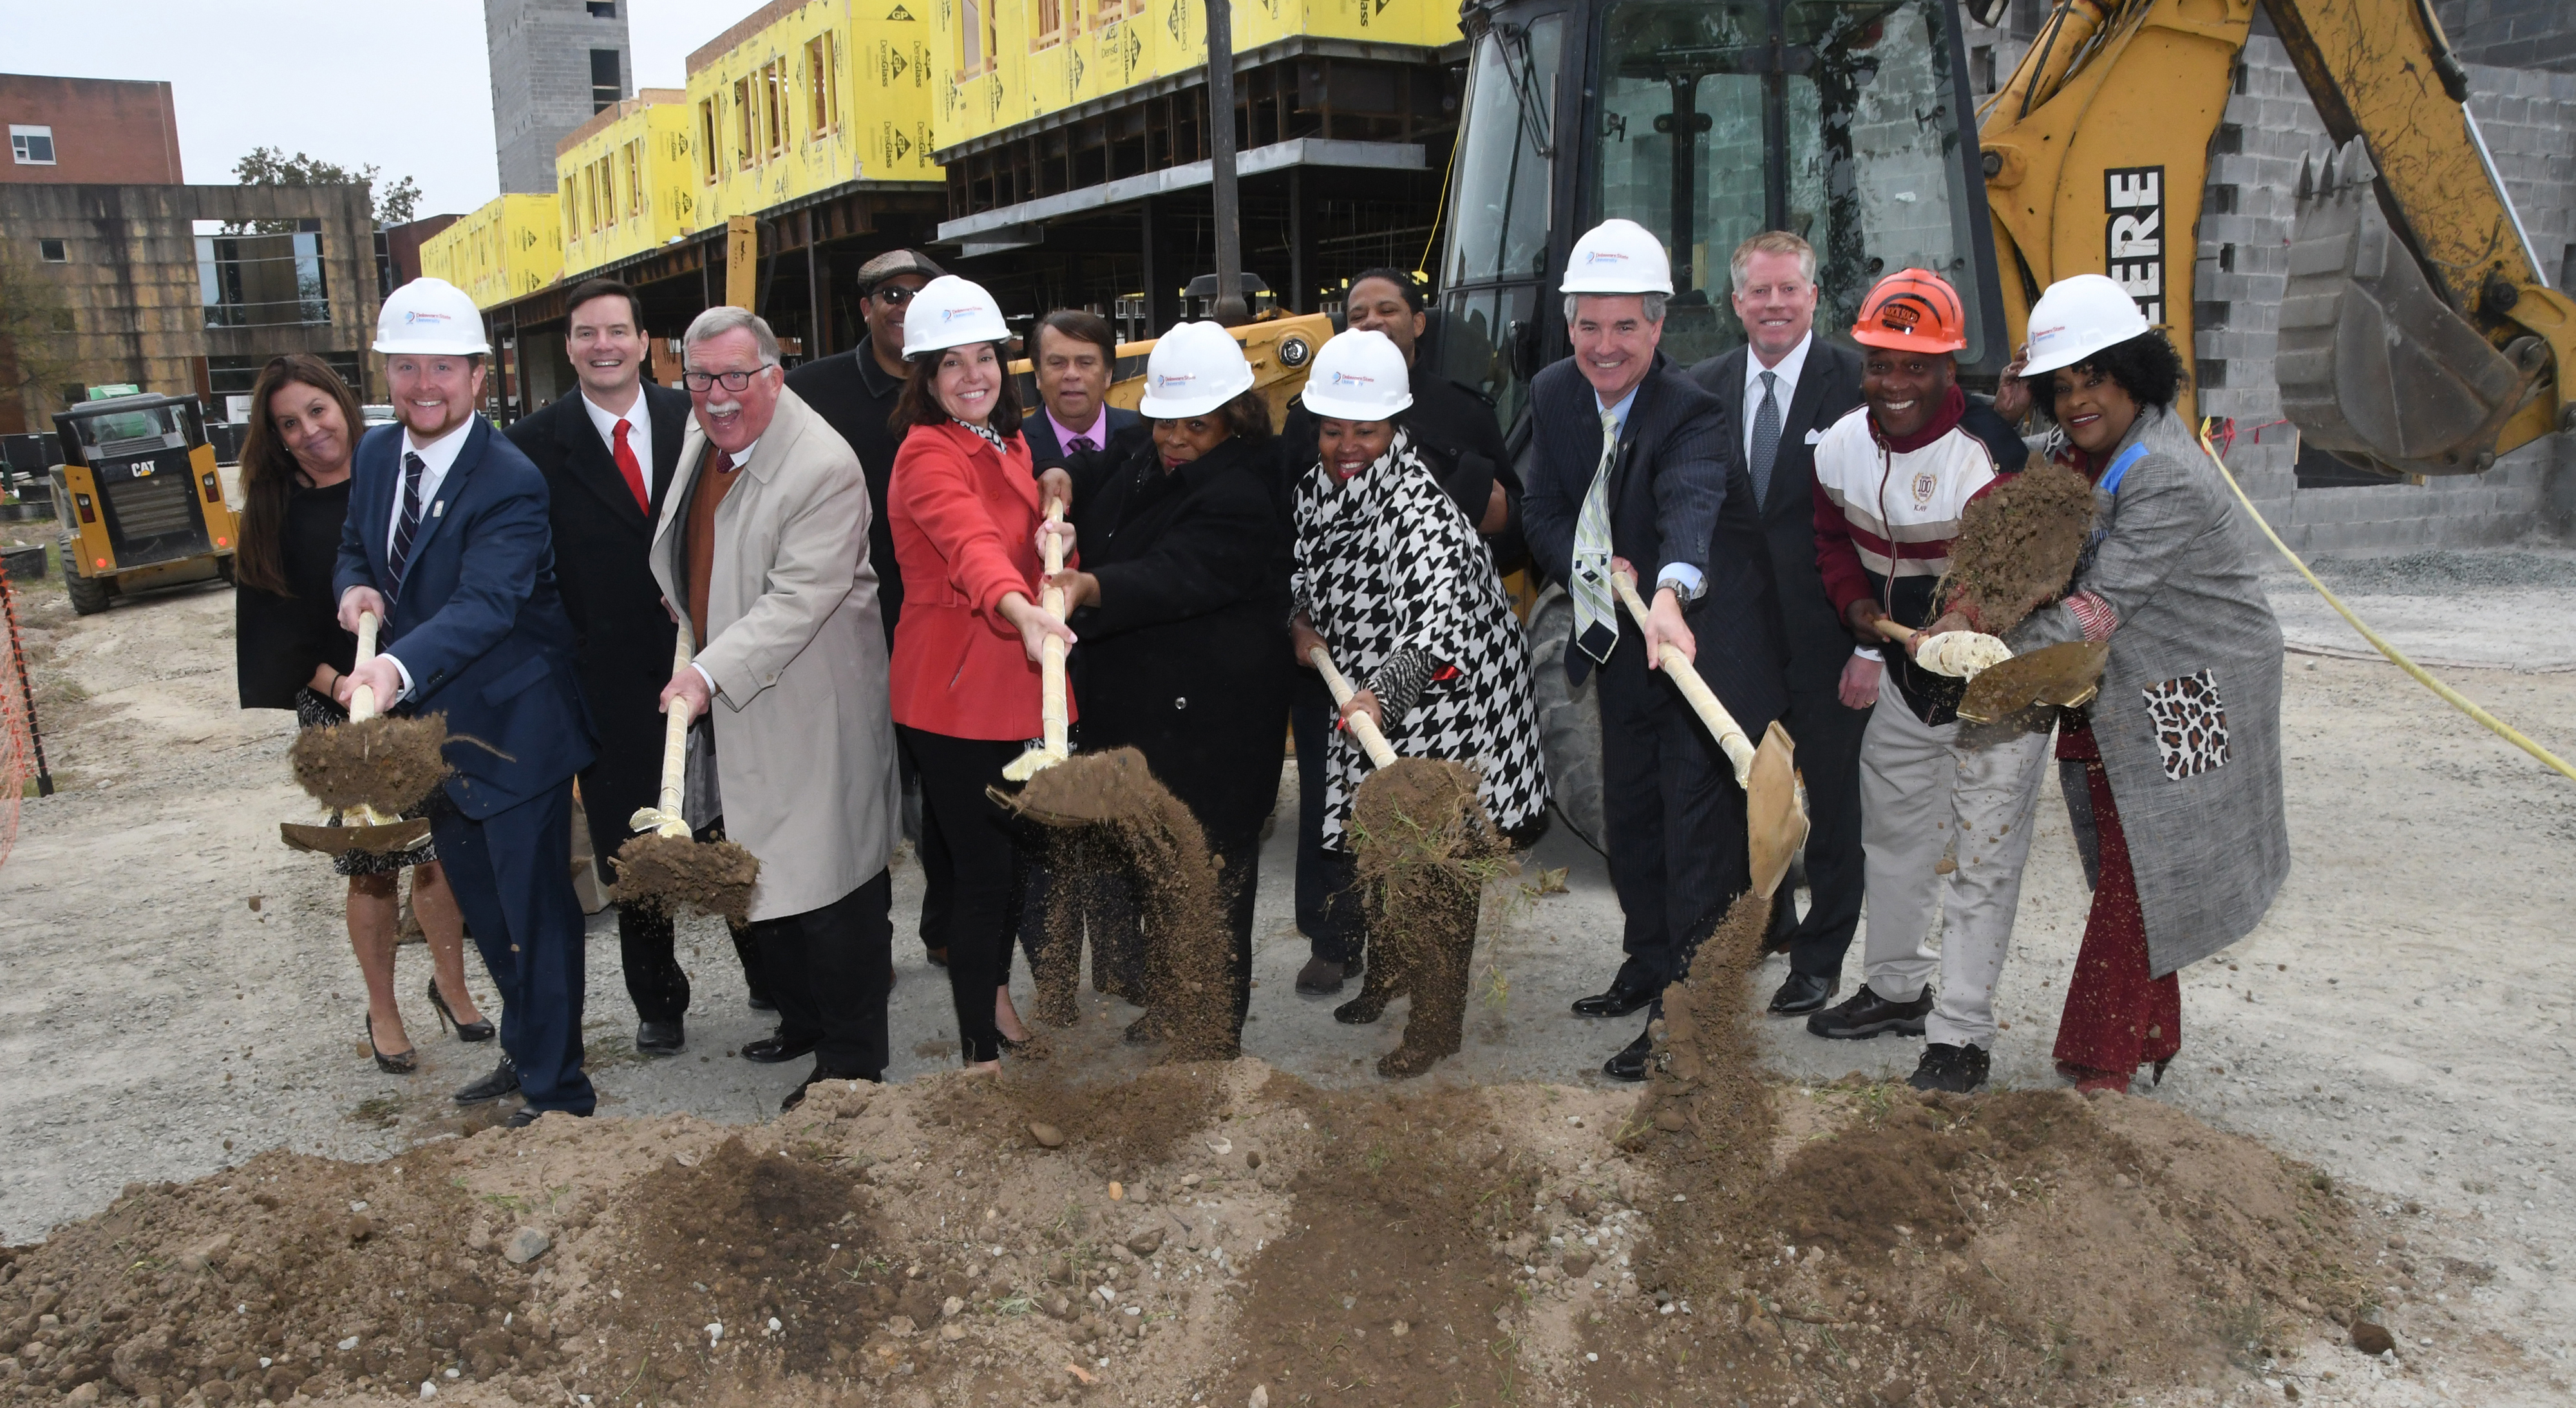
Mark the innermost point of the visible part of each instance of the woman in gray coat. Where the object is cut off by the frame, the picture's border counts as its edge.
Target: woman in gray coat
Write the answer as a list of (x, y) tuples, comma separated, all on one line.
[(2173, 772)]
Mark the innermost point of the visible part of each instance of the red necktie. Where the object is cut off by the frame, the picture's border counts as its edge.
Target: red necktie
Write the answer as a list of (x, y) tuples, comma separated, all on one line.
[(633, 471)]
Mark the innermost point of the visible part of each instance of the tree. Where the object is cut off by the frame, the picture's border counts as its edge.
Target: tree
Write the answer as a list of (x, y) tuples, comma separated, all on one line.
[(36, 329), (270, 166)]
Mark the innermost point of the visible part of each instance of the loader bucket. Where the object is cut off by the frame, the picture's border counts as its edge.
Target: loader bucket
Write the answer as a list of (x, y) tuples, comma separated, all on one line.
[(2373, 364)]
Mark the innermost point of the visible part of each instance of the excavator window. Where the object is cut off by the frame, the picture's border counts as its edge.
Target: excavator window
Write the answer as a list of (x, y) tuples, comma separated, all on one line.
[(1829, 118), (1506, 168)]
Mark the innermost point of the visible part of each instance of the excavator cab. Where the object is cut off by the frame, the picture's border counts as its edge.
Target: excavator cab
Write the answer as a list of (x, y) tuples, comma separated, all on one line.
[(1849, 123)]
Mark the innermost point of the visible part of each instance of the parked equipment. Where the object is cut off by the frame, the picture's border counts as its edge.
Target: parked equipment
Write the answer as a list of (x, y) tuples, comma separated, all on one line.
[(140, 501)]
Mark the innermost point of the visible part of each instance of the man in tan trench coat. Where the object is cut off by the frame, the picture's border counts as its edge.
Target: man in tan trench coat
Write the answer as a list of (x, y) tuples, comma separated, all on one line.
[(763, 551)]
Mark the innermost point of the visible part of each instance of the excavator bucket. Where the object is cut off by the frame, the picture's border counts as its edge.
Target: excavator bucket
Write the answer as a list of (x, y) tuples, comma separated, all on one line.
[(2374, 364)]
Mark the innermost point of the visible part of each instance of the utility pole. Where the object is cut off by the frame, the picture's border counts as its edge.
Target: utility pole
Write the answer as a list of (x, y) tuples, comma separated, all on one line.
[(1231, 308)]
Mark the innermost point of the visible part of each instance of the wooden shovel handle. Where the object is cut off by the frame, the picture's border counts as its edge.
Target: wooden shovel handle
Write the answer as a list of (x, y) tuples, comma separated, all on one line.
[(1365, 729), (1902, 635), (362, 700), (1051, 703), (675, 732), (1677, 668)]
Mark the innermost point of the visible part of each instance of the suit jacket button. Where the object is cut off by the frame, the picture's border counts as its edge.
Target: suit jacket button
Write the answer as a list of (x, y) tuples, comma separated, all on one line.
[(1181, 702)]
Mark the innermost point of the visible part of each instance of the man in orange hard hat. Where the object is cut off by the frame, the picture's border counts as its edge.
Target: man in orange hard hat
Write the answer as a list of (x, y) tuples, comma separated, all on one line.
[(1892, 479)]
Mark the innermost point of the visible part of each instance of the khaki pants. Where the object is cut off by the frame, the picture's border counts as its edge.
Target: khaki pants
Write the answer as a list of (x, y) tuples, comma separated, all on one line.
[(1920, 788)]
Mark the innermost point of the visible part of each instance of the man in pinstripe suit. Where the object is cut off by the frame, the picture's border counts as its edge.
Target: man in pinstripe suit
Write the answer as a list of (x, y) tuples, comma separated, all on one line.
[(1634, 469)]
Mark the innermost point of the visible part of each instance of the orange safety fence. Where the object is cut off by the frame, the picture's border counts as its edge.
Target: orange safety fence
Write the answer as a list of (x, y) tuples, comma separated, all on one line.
[(22, 754)]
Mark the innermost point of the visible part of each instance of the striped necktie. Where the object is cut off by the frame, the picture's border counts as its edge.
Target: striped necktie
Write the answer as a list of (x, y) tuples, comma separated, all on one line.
[(408, 527), (1596, 607)]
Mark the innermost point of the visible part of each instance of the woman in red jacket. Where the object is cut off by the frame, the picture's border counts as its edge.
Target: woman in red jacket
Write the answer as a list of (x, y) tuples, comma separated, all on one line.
[(966, 517)]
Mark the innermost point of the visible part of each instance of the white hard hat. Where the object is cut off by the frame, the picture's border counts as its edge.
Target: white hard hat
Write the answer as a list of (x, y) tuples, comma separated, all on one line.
[(951, 312), (430, 318), (1193, 369), (1359, 376), (2077, 317), (1618, 256)]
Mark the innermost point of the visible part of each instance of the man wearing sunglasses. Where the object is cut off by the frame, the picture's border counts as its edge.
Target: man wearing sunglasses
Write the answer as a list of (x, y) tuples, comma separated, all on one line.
[(854, 392)]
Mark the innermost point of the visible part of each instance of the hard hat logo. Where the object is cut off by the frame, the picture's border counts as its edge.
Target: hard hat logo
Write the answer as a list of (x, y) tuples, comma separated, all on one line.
[(1912, 310), (1343, 378)]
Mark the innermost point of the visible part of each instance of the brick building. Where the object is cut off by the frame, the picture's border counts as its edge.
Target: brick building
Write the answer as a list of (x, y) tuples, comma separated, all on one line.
[(554, 64), (88, 131)]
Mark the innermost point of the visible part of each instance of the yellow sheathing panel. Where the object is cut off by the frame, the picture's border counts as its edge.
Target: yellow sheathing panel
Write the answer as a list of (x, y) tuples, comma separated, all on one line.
[(1025, 72), (509, 249), (800, 98), (626, 181)]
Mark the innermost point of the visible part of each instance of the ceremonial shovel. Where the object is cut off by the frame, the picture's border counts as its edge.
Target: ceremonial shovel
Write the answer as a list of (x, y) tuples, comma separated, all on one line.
[(663, 866), (1365, 729), (1052, 749), (371, 832), (2001, 683), (1775, 811)]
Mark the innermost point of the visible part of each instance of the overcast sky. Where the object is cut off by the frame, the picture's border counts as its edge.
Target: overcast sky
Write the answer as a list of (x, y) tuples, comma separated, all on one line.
[(400, 84)]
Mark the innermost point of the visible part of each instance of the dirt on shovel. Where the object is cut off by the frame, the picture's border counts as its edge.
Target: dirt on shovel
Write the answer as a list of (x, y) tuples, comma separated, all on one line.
[(387, 763)]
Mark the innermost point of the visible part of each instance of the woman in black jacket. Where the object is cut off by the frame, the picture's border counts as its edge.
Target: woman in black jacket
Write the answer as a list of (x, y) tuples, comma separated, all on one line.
[(1181, 607), (289, 653)]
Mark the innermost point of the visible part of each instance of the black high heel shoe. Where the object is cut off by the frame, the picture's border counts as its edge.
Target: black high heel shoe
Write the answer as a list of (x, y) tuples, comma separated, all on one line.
[(465, 1031), (402, 1064)]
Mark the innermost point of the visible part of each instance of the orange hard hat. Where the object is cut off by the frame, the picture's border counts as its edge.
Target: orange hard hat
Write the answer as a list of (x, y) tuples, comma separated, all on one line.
[(1912, 310)]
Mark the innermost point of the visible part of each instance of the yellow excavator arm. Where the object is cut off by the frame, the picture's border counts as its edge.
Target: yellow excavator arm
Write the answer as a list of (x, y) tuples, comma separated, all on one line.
[(2417, 329)]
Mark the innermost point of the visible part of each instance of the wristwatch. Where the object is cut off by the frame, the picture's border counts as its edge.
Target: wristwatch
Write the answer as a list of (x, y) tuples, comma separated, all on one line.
[(1680, 589)]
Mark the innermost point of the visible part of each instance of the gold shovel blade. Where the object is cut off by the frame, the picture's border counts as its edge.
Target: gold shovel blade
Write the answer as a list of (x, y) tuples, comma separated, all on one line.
[(341, 840), (1775, 810), (2064, 675)]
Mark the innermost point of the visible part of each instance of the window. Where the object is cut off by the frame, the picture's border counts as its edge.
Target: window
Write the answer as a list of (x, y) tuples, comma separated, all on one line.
[(1111, 11), (823, 91), (603, 9), (635, 177), (707, 138), (31, 146), (1050, 26), (970, 37), (262, 280), (571, 211), (1981, 67), (52, 252), (605, 85), (746, 121), (590, 194), (608, 190), (773, 101)]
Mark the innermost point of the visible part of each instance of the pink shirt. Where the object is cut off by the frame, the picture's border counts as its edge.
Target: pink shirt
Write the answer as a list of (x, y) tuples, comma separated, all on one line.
[(1097, 434)]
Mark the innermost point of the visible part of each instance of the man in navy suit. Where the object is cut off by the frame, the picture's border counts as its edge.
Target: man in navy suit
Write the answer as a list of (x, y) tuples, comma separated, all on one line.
[(1631, 469), (607, 452), (447, 544), (1809, 384), (1076, 357)]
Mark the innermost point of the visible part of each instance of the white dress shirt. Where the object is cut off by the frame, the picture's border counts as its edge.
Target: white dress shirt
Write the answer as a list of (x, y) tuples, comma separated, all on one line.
[(1784, 387), (639, 431), (1682, 572), (436, 458)]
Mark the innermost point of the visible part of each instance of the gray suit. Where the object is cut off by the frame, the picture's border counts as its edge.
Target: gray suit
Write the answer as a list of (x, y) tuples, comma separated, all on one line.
[(2208, 838)]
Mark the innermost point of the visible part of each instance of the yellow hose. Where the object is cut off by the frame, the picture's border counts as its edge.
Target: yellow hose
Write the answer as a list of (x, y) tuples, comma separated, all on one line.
[(2396, 657)]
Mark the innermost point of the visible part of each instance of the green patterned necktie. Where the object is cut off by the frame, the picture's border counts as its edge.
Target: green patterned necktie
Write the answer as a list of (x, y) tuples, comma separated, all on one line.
[(1596, 607)]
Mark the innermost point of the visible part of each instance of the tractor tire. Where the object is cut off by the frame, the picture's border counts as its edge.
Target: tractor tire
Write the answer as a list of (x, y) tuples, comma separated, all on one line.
[(1569, 719), (90, 595)]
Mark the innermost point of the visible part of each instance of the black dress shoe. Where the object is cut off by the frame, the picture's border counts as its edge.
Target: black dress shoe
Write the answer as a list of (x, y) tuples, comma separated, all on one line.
[(759, 1002), (504, 1080), (1622, 998), (522, 1117), (1956, 1069), (1630, 1063), (664, 1038), (1866, 1014), (465, 1031), (1321, 977), (771, 1050), (1803, 992)]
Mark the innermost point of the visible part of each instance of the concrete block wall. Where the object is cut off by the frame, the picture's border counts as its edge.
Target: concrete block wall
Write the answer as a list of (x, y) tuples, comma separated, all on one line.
[(2515, 33), (541, 79)]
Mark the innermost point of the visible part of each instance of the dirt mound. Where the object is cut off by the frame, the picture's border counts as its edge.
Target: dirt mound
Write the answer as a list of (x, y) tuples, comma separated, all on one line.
[(2018, 543), (388, 763), (1114, 1126), (1118, 812), (674, 873)]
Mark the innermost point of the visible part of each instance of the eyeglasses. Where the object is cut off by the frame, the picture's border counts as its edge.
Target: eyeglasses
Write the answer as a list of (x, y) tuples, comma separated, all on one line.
[(894, 295), (733, 381)]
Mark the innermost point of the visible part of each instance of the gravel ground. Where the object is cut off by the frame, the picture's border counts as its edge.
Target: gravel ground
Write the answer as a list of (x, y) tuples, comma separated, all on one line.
[(2398, 1019)]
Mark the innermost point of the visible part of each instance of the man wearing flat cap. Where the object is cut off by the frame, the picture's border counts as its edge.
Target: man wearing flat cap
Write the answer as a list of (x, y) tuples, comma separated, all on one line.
[(855, 392)]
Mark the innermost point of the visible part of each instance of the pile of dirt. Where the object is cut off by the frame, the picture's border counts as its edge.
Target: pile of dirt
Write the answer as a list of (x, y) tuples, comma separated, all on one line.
[(676, 873), (388, 763), (1113, 1127), (1124, 815), (1423, 848), (2018, 544)]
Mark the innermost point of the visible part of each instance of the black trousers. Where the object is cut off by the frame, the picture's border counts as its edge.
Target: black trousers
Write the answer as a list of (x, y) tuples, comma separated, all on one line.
[(1673, 822), (984, 872), (931, 850), (828, 969), (1328, 907), (1828, 738)]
